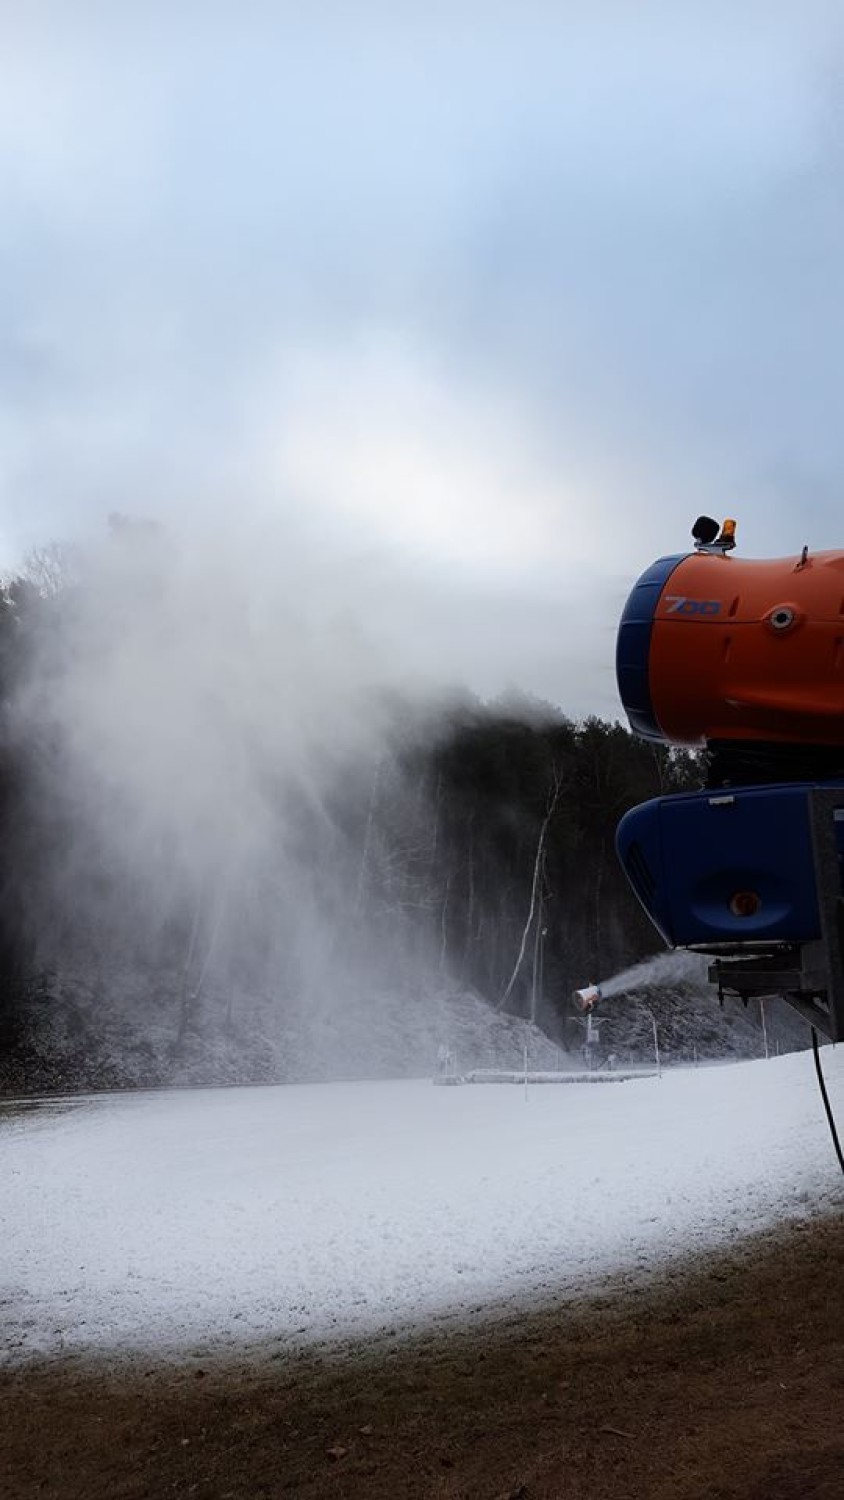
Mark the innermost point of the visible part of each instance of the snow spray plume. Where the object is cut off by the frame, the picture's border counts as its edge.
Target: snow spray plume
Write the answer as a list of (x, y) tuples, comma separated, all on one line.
[(213, 742), (665, 968)]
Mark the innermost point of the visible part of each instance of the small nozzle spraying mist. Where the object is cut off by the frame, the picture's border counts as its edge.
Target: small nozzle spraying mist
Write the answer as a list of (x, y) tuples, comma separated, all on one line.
[(677, 966)]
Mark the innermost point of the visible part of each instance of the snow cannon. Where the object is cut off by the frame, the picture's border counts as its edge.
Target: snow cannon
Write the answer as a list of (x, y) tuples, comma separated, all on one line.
[(587, 997), (713, 648), (744, 659)]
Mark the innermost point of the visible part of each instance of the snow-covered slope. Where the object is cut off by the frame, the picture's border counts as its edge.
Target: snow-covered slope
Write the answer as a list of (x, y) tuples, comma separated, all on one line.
[(198, 1220), (123, 1031)]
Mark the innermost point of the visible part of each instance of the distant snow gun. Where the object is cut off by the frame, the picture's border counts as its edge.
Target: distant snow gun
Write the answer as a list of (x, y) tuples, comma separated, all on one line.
[(586, 998), (745, 660)]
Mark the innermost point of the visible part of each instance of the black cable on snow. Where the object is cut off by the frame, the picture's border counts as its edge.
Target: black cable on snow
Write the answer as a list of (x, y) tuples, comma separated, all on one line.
[(826, 1104)]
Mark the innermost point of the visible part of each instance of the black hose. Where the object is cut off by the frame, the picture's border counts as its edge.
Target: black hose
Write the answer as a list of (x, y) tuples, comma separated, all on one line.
[(826, 1104)]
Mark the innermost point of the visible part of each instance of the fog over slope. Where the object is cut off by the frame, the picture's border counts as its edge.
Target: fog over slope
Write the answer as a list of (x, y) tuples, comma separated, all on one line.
[(244, 842), (207, 718)]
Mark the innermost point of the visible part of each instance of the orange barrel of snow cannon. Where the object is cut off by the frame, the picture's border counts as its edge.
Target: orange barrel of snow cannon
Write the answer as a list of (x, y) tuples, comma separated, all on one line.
[(717, 647)]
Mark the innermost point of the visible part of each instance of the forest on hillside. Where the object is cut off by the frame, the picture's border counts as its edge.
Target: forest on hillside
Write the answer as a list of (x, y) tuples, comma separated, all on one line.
[(215, 865)]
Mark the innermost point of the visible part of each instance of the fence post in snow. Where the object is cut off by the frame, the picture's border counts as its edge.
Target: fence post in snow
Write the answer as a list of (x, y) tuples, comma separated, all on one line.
[(649, 1012)]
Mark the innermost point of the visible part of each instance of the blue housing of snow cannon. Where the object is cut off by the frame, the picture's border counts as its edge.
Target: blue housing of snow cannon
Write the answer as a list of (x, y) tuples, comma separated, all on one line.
[(731, 866)]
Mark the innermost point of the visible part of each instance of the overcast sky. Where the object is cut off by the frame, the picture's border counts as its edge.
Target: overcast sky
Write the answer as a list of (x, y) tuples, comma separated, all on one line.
[(489, 301)]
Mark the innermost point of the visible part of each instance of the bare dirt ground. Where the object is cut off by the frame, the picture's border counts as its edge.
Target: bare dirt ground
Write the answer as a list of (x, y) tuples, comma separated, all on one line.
[(723, 1379)]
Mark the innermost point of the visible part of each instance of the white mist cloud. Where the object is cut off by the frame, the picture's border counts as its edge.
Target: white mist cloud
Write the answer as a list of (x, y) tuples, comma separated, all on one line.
[(376, 436)]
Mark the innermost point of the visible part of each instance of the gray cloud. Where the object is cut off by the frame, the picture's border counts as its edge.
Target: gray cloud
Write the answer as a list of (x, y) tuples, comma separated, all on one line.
[(500, 298)]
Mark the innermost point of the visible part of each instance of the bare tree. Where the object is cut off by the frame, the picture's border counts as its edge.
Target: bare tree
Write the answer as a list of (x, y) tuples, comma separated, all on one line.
[(50, 568), (553, 799)]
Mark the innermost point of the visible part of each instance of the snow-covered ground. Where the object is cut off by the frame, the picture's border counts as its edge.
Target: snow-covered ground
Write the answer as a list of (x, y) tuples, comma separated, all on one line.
[(196, 1221)]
